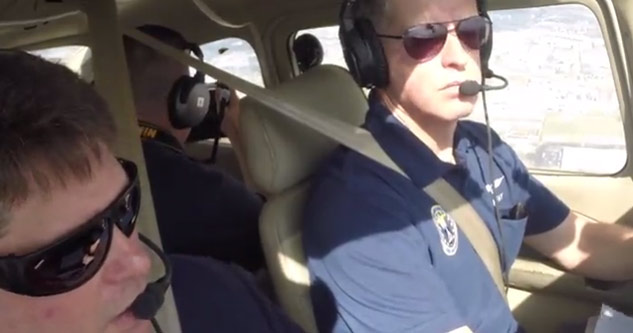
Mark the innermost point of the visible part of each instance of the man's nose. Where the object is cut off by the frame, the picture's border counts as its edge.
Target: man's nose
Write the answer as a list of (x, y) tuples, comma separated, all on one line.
[(454, 53), (127, 260)]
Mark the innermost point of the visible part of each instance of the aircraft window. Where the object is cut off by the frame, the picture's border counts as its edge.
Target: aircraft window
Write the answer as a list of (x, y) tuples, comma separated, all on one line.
[(235, 56), (332, 51), (560, 111), (73, 56)]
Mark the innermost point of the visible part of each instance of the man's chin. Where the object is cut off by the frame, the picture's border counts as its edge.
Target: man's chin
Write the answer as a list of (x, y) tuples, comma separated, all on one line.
[(458, 110), (454, 114)]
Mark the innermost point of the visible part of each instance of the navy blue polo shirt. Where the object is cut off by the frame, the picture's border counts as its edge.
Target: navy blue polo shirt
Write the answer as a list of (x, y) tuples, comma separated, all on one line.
[(200, 210), (212, 296), (384, 257)]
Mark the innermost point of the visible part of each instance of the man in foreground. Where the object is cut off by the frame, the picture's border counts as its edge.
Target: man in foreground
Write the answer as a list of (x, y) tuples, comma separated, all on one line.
[(70, 255)]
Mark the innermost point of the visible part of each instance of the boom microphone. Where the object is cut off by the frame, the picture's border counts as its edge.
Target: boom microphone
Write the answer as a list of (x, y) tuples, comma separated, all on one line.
[(147, 304), (472, 88)]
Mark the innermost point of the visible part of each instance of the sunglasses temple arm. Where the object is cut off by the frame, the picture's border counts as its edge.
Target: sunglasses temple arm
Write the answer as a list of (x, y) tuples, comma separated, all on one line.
[(10, 270), (389, 36)]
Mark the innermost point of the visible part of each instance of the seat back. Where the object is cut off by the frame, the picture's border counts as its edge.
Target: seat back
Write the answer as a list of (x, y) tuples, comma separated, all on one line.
[(282, 156)]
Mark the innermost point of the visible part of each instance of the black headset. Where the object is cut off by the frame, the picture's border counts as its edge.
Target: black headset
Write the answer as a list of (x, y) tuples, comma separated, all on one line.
[(363, 50), (147, 304), (189, 98)]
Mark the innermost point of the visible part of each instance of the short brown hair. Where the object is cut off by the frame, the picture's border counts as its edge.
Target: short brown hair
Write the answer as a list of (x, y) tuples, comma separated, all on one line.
[(145, 63), (52, 125)]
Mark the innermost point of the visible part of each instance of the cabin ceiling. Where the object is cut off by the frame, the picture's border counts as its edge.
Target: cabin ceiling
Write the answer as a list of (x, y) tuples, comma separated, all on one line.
[(25, 22)]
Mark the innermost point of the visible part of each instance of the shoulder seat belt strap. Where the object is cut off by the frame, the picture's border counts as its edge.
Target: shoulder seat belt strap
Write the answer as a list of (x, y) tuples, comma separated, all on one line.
[(471, 224)]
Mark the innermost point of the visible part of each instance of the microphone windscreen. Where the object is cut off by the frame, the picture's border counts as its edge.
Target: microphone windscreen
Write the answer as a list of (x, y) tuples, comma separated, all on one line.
[(469, 88), (147, 304)]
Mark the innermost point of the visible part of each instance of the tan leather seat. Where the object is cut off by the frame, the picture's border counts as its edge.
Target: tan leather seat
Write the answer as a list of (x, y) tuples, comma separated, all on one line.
[(281, 156)]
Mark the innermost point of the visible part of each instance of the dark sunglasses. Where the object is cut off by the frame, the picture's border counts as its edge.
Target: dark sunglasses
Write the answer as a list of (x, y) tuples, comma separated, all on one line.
[(74, 259), (424, 41)]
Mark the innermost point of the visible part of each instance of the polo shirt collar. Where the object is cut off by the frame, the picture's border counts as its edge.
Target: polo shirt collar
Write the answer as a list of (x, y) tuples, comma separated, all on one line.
[(414, 157), (154, 133)]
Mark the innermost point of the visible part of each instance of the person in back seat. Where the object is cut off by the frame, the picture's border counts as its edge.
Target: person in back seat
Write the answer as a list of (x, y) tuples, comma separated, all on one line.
[(386, 257), (308, 52), (200, 209), (70, 256)]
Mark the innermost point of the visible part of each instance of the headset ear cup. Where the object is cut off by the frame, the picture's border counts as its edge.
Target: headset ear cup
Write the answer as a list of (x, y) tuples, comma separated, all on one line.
[(188, 102), (350, 42), (198, 102), (375, 68), (176, 105), (486, 49), (361, 47), (364, 55)]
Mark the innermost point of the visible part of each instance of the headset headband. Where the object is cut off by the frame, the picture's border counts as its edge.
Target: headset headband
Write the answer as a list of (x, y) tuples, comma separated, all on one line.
[(195, 49), (348, 12)]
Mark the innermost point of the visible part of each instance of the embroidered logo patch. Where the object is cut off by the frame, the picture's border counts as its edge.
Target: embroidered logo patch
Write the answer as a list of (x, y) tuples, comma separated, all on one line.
[(495, 185), (447, 229)]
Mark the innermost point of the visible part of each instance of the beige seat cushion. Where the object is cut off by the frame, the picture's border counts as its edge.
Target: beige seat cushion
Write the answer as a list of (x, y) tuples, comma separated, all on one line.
[(281, 156), (280, 228)]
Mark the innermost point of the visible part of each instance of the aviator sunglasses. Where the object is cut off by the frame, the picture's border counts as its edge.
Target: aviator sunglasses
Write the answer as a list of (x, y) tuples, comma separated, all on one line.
[(424, 41), (75, 258)]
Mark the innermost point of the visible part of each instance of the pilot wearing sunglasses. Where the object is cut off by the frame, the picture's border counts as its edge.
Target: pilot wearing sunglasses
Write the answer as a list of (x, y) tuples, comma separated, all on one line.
[(71, 259), (383, 255)]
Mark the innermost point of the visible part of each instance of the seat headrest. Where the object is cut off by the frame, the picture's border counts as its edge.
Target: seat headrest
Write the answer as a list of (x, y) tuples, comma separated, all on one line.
[(281, 153)]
